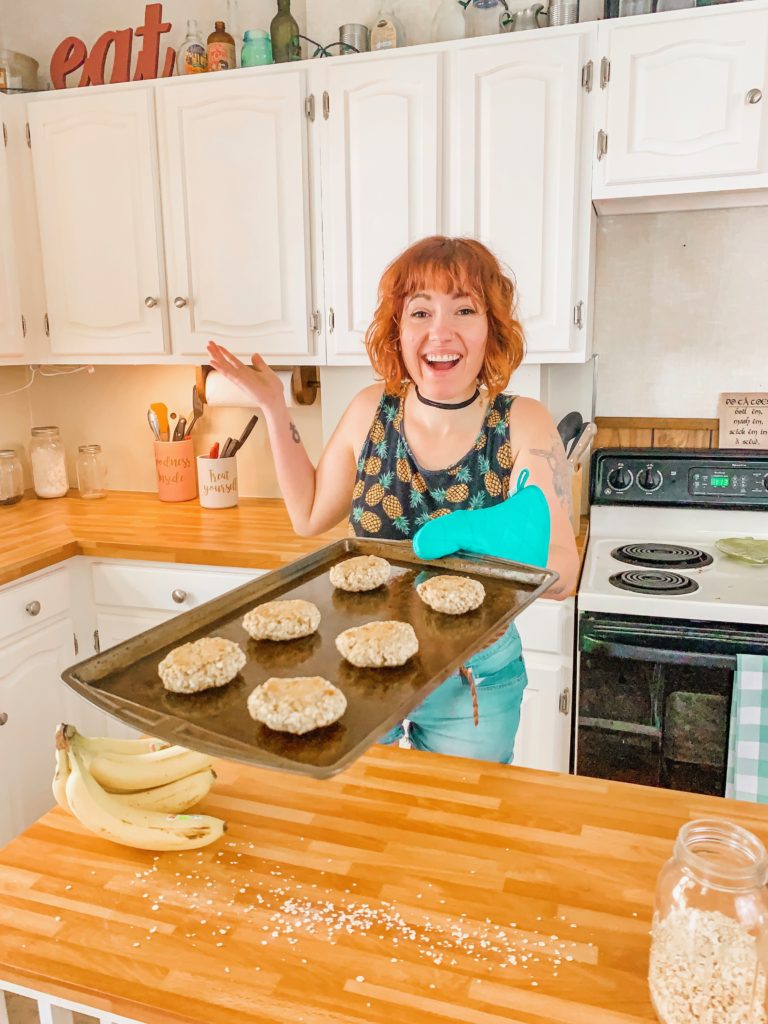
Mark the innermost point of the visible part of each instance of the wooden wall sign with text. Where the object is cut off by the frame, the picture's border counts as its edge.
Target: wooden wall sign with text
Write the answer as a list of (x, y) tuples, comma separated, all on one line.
[(743, 420), (72, 54)]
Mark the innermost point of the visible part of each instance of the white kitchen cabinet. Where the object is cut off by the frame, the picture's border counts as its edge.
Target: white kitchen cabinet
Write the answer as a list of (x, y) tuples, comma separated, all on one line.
[(543, 738), (234, 172), (520, 123), (22, 299), (381, 157), (684, 105), (97, 187)]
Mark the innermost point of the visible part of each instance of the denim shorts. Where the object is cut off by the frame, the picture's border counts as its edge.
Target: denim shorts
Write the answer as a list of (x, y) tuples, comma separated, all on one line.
[(444, 722)]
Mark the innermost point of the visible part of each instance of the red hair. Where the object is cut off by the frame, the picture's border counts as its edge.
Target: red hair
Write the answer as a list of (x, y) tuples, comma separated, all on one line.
[(450, 265)]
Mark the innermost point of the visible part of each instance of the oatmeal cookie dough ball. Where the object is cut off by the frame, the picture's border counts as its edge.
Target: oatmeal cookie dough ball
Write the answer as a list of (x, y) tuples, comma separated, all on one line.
[(378, 644), (282, 620), (452, 595), (201, 664), (297, 705), (363, 572)]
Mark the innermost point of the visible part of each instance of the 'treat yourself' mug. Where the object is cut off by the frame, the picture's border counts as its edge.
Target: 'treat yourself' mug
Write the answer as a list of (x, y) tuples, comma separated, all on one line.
[(217, 482)]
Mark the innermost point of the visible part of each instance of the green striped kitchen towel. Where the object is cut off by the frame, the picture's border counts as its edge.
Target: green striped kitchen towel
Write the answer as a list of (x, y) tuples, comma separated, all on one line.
[(747, 773)]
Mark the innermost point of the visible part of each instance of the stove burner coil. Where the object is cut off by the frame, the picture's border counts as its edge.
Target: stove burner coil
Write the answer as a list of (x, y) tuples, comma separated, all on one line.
[(662, 556), (643, 581)]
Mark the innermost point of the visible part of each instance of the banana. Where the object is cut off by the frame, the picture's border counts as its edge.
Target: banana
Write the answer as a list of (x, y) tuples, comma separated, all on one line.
[(110, 818), (128, 773), (94, 745), (62, 769), (175, 797)]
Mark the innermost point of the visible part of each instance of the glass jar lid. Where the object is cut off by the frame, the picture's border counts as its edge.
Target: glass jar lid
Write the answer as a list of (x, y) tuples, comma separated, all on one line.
[(89, 449), (45, 431)]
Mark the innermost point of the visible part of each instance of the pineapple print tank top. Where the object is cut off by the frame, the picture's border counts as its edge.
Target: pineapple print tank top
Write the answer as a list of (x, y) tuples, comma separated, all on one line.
[(394, 496)]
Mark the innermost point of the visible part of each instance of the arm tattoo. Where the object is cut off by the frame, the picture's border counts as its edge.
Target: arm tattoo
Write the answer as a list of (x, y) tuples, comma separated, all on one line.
[(561, 477), (294, 432)]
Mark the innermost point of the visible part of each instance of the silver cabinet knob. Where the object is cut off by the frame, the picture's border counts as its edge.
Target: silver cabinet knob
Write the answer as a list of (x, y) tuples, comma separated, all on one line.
[(150, 302), (179, 596), (3, 717), (33, 608), (179, 302), (754, 96)]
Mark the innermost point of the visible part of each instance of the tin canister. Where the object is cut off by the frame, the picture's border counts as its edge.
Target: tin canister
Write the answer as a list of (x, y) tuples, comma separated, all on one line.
[(354, 35)]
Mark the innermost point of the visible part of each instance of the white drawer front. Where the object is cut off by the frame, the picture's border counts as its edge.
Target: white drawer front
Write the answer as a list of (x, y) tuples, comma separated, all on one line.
[(33, 601), (162, 588), (547, 626)]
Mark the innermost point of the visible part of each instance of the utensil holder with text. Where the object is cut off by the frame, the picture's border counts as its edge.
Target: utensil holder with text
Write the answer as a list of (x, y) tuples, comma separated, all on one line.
[(217, 482), (175, 466)]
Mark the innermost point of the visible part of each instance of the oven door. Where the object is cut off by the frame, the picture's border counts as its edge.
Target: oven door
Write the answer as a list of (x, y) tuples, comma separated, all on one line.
[(654, 699)]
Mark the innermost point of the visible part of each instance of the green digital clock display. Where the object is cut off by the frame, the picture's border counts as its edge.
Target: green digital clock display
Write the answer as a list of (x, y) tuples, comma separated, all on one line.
[(719, 481)]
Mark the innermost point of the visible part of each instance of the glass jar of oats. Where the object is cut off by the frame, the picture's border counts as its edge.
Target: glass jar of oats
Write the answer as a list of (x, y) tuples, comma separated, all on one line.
[(49, 466), (709, 945)]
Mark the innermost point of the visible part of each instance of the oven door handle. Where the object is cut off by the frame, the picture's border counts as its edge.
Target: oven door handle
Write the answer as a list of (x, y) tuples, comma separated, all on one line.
[(661, 655)]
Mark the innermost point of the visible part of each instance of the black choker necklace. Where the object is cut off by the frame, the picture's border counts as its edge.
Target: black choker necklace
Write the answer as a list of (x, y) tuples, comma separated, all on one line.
[(447, 405)]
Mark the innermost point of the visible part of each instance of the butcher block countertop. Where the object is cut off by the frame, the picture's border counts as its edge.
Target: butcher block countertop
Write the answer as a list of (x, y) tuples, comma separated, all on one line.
[(128, 524), (411, 889)]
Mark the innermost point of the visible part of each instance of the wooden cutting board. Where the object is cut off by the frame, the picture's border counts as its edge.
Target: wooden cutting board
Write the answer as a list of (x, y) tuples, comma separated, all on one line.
[(411, 888)]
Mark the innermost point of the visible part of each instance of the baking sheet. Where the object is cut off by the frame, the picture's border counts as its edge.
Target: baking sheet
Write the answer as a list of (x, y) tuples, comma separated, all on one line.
[(124, 682)]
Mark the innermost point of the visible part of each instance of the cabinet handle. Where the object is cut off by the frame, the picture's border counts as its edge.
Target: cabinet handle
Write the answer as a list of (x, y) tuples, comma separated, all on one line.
[(179, 302), (179, 596), (3, 717), (150, 302), (331, 321), (754, 96), (33, 608)]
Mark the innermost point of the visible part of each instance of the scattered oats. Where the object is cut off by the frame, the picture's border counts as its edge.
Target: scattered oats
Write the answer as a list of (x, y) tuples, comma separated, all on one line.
[(360, 979)]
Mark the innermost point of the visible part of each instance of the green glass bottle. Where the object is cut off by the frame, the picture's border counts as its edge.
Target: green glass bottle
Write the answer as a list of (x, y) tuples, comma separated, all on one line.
[(284, 31)]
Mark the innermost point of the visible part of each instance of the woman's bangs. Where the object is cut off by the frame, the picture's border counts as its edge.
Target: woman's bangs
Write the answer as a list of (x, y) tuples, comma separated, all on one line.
[(449, 277)]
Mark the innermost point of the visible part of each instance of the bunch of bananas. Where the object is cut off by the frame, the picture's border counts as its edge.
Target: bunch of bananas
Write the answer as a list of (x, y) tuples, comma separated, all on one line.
[(135, 792)]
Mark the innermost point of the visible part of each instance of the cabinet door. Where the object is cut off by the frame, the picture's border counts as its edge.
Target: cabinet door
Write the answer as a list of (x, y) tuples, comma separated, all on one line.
[(11, 334), (544, 736), (380, 183), (516, 156), (35, 700), (235, 205), (98, 199), (678, 100)]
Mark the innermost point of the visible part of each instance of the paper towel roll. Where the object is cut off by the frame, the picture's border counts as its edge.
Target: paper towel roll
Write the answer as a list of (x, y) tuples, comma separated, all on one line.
[(219, 392)]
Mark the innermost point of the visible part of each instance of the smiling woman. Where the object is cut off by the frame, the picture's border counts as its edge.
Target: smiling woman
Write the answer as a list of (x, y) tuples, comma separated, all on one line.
[(437, 435)]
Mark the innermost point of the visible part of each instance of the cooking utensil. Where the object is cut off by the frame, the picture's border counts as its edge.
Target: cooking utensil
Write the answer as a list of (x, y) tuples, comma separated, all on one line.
[(581, 443), (569, 426), (197, 409), (124, 680), (214, 452), (245, 434), (160, 409), (178, 433), (226, 451), (746, 549), (154, 424)]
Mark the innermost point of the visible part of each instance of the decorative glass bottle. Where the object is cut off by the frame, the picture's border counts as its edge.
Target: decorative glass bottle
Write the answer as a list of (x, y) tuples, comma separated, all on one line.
[(387, 32), (709, 945), (49, 468), (257, 48), (221, 49), (192, 56), (449, 21), (284, 31), (91, 471)]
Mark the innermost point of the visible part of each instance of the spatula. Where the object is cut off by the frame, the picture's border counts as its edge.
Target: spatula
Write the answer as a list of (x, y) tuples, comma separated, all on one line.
[(161, 411), (197, 410)]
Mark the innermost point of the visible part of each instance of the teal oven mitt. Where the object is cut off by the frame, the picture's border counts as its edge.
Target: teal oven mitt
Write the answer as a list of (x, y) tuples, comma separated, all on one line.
[(516, 529)]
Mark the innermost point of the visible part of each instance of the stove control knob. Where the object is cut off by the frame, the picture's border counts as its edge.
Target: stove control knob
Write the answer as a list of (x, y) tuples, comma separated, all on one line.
[(620, 478), (650, 479)]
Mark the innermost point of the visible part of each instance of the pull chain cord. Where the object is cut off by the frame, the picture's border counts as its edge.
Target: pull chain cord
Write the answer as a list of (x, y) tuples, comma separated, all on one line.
[(447, 405)]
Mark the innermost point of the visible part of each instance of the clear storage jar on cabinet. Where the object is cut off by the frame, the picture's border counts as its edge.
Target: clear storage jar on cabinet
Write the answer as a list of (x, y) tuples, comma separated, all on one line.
[(11, 477), (709, 946), (49, 467), (91, 471)]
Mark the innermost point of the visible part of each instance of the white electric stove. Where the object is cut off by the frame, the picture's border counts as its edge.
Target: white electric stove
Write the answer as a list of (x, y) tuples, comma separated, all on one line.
[(664, 614)]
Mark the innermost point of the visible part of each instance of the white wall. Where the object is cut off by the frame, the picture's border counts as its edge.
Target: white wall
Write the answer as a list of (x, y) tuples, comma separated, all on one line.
[(681, 310)]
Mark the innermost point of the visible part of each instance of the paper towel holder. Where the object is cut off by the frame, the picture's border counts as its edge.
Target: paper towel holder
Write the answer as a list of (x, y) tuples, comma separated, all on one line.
[(304, 383)]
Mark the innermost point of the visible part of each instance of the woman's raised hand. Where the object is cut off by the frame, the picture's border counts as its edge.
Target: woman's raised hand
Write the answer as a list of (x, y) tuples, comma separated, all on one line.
[(260, 383)]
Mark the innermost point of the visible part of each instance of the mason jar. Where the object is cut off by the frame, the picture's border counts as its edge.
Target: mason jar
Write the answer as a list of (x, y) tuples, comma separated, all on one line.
[(709, 944), (11, 477), (91, 471), (49, 468)]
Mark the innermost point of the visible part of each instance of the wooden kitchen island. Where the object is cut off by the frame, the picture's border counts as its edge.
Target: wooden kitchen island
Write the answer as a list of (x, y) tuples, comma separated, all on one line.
[(411, 888)]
